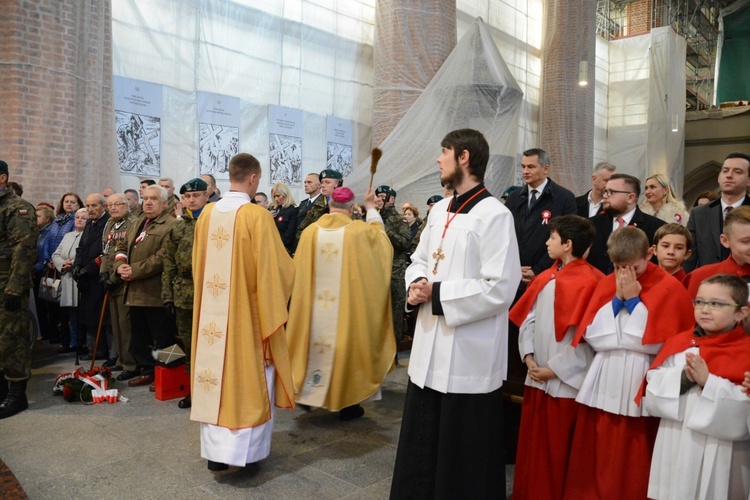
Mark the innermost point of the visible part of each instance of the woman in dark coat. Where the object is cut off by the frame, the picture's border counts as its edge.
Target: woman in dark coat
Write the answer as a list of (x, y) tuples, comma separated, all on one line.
[(284, 213)]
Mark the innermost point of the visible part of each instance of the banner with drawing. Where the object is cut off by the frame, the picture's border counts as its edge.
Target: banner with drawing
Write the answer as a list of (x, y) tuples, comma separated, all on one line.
[(285, 145), (218, 133), (339, 144), (138, 113)]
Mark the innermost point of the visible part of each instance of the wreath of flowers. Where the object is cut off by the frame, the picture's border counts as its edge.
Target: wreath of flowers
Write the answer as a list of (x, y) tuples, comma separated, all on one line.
[(78, 385)]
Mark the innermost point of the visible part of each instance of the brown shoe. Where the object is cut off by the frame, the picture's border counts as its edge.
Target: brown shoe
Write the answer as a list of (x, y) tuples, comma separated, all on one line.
[(152, 387), (142, 380)]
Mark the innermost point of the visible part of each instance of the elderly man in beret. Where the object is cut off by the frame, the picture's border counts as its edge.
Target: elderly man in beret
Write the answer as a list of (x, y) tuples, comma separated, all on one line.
[(329, 180), (177, 276), (347, 266)]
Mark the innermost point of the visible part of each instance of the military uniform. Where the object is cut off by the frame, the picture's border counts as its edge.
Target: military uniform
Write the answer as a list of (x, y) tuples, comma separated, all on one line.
[(400, 235), (177, 278), (114, 233), (319, 208), (18, 252)]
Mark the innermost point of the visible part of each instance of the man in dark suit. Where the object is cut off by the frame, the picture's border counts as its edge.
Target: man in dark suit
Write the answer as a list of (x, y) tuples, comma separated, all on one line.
[(620, 210), (86, 274), (312, 190), (532, 206), (706, 222), (590, 204)]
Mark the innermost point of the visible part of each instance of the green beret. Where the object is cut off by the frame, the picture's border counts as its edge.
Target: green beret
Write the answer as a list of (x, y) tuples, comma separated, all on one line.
[(509, 190), (434, 199), (196, 184), (331, 174), (3, 167), (382, 189)]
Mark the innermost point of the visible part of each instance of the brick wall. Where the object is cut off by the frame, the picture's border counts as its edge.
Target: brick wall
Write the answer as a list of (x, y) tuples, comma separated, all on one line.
[(639, 17), (566, 129), (412, 40), (57, 133)]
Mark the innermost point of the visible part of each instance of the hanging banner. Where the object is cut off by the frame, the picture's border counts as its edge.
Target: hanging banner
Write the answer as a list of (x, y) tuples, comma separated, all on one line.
[(218, 133), (339, 147), (285, 145), (138, 111)]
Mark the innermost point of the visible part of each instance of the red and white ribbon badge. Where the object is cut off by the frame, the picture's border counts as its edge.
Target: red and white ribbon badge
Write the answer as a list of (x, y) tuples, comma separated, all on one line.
[(678, 218), (546, 216)]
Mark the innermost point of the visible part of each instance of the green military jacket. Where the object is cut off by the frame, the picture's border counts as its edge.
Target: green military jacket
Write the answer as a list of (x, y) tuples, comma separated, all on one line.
[(400, 235), (177, 276), (18, 238), (319, 208), (114, 233)]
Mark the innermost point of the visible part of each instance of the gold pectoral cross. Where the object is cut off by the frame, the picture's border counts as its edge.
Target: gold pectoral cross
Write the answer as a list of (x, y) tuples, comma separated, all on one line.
[(438, 256)]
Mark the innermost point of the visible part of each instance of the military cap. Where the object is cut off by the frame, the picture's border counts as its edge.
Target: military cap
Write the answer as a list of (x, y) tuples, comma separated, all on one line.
[(196, 184), (331, 174), (507, 192), (383, 189), (434, 199), (3, 168)]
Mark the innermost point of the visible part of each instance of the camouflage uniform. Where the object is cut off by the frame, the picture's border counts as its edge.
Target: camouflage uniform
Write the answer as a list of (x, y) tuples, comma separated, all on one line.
[(319, 208), (400, 235), (177, 278), (415, 241), (115, 232), (18, 239)]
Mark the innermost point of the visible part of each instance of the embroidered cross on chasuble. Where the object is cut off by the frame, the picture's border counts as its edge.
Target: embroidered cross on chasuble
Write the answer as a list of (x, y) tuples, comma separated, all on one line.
[(213, 319), (329, 259)]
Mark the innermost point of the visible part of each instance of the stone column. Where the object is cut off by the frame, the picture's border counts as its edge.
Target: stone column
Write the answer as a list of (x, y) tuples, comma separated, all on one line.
[(57, 129), (412, 40), (566, 129)]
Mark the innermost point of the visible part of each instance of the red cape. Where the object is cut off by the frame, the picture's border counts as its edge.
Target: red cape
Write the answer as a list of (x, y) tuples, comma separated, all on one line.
[(574, 284), (727, 266), (680, 274), (670, 310), (726, 354)]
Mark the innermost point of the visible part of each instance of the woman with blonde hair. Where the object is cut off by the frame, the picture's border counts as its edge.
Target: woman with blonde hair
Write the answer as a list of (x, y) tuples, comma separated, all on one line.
[(284, 213), (662, 202)]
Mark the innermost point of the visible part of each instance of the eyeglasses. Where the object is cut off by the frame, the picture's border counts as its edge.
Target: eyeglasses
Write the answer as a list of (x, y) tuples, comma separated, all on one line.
[(610, 192), (713, 305)]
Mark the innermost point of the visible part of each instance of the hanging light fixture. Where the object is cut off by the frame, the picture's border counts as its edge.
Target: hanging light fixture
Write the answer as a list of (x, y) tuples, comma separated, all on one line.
[(583, 73)]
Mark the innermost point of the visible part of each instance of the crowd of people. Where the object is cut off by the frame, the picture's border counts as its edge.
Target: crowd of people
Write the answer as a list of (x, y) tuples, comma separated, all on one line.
[(626, 316)]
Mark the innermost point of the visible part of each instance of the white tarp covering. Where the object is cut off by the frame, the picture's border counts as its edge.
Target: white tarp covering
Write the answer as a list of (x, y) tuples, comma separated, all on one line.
[(473, 89), (646, 99)]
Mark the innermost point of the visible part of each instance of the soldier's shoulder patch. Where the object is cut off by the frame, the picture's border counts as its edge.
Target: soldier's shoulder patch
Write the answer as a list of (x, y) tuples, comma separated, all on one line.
[(23, 212)]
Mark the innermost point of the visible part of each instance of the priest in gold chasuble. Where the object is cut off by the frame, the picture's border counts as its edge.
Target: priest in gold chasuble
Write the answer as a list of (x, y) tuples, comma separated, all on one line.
[(340, 331), (240, 361)]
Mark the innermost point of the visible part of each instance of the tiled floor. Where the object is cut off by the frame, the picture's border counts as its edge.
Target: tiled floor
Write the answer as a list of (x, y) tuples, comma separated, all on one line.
[(149, 449)]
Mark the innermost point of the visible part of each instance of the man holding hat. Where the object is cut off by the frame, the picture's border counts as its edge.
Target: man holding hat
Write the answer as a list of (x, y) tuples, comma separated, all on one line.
[(17, 257), (177, 276), (347, 317), (329, 180), (400, 236)]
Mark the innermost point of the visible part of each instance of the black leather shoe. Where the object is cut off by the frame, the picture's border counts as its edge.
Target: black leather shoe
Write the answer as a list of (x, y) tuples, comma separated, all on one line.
[(111, 362), (185, 403), (116, 368), (66, 350), (127, 375), (217, 466), (351, 412)]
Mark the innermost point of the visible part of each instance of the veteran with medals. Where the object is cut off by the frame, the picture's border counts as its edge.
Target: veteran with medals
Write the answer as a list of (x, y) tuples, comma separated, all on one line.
[(341, 335), (240, 360)]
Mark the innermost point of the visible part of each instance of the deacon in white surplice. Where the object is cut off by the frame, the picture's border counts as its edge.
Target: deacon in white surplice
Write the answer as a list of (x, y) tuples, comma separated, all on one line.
[(240, 360), (463, 277)]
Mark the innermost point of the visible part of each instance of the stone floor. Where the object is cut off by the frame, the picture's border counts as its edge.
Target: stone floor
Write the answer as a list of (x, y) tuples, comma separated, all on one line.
[(147, 448)]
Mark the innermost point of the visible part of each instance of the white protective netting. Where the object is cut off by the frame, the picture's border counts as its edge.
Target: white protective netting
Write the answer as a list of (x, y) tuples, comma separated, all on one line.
[(646, 115), (473, 89)]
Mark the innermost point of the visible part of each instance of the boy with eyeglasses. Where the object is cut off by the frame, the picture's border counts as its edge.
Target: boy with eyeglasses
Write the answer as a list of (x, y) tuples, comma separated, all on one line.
[(735, 237), (695, 386), (631, 313)]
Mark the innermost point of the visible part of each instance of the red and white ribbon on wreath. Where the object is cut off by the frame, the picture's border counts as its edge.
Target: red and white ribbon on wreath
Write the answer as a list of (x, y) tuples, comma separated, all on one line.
[(100, 391)]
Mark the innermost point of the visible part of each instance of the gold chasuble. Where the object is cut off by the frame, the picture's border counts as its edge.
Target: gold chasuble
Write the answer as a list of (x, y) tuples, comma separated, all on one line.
[(243, 279), (340, 330)]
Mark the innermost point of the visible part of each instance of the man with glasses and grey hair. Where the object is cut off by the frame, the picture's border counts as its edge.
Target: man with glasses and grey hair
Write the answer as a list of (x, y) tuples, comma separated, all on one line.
[(620, 209), (591, 203)]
